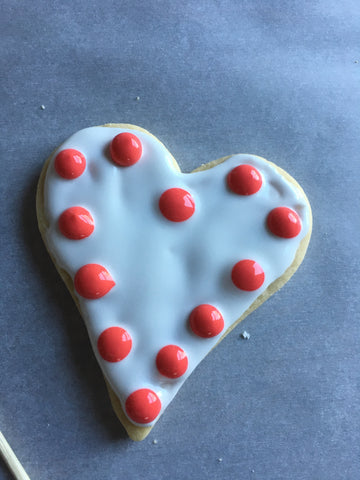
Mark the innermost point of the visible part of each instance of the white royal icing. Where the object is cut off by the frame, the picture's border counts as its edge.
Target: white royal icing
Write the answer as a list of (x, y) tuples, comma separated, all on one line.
[(164, 269)]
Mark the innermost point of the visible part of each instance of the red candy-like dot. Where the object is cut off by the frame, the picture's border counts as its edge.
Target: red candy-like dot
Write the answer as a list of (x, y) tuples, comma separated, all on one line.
[(114, 344), (93, 281), (244, 180), (143, 405), (70, 163), (172, 361), (176, 204), (247, 275), (284, 222), (206, 321), (76, 223), (125, 149)]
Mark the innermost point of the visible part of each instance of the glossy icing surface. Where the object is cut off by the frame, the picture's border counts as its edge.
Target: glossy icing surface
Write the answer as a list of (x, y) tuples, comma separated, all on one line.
[(206, 321), (177, 205), (125, 149), (156, 271), (244, 180), (172, 361), (70, 163), (143, 406), (93, 281), (247, 275), (284, 222), (114, 344), (76, 223)]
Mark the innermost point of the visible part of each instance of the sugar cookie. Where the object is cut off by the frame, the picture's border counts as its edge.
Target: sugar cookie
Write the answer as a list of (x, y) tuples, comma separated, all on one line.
[(162, 264)]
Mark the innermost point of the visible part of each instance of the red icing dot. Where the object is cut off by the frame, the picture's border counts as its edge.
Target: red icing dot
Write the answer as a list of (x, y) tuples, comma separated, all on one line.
[(206, 321), (125, 149), (244, 180), (70, 163), (172, 361), (284, 222), (247, 275), (143, 405), (176, 204), (114, 344), (93, 281), (76, 223)]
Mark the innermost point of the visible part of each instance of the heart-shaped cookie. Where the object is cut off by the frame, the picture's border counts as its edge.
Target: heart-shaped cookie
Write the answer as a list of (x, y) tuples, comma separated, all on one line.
[(162, 264)]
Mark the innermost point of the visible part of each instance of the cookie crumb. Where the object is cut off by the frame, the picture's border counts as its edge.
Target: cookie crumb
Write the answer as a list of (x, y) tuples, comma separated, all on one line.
[(245, 335), (155, 441), (137, 98), (252, 471), (220, 460), (42, 107)]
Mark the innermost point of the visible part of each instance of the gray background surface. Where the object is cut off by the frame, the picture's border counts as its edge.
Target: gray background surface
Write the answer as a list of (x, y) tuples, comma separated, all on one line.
[(275, 78)]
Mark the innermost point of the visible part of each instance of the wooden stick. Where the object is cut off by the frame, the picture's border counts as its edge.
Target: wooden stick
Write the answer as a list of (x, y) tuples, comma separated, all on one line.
[(11, 460)]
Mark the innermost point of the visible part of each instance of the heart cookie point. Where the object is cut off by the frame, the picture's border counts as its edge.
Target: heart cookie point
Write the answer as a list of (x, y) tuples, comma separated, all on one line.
[(143, 406), (93, 281)]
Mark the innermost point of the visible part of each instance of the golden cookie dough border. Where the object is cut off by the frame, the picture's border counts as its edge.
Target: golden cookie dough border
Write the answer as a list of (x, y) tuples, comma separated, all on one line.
[(135, 432)]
